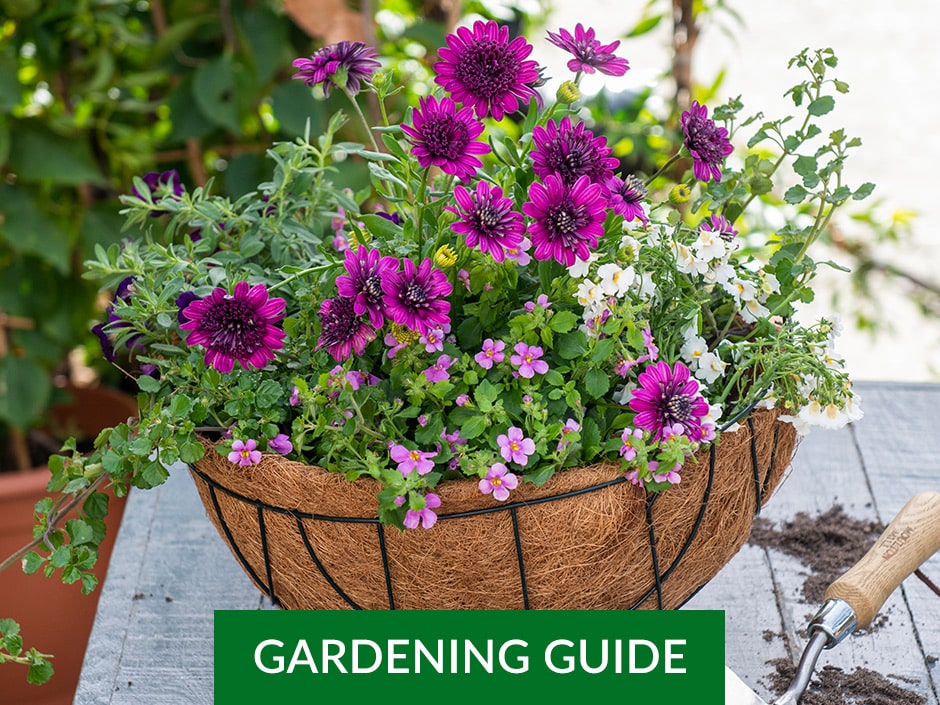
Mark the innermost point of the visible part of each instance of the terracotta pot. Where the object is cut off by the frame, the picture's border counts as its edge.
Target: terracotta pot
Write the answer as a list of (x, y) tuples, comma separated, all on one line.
[(55, 618)]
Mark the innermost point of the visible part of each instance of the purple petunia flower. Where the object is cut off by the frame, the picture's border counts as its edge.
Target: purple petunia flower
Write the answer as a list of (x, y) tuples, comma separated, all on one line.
[(245, 453), (445, 137), (411, 460), (571, 151), (719, 224), (415, 297), (527, 360), (707, 143), (438, 371), (343, 331), (492, 353), (566, 223), (281, 444), (487, 219), (160, 183), (122, 294), (351, 62), (365, 270), (498, 481), (626, 197), (182, 301), (236, 327), (589, 54), (668, 396), (424, 516), (484, 70), (514, 446)]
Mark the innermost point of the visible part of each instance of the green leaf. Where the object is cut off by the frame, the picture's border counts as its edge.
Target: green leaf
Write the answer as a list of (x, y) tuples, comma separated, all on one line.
[(596, 383), (148, 384), (9, 628), (474, 426), (863, 191), (28, 229), (191, 452), (572, 345), (293, 105), (181, 406), (822, 105), (795, 194), (79, 532), (382, 227), (60, 557), (39, 672), (563, 321), (96, 506), (25, 389), (38, 154), (646, 25), (214, 93), (31, 563)]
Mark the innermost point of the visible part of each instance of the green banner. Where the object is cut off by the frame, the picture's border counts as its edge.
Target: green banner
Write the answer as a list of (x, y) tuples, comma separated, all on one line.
[(457, 657)]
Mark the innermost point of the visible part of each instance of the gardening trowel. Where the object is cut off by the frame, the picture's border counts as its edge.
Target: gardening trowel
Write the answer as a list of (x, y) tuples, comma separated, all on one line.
[(853, 600)]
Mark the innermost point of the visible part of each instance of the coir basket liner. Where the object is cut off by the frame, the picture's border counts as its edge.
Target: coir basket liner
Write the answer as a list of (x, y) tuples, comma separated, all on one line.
[(587, 539)]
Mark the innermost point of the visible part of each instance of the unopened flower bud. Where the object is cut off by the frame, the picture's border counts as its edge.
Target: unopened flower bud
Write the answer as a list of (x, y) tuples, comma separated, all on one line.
[(379, 79), (680, 193), (445, 257), (568, 93)]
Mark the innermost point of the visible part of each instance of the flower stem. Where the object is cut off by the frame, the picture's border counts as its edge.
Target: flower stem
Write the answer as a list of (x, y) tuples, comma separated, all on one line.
[(362, 117), (296, 275), (672, 160)]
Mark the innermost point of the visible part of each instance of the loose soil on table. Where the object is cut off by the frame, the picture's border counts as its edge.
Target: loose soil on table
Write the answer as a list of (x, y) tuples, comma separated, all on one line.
[(828, 544), (833, 686)]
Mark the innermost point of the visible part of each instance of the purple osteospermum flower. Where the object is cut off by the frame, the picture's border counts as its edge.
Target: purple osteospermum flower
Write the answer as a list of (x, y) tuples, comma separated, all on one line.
[(498, 481), (527, 360), (444, 137), (365, 270), (425, 516), (668, 396), (492, 353), (245, 453), (514, 446), (122, 293), (411, 460), (438, 371), (415, 296), (626, 197), (356, 59), (343, 330), (719, 224), (589, 53), (707, 143), (566, 223), (571, 151), (281, 444), (236, 327), (487, 220), (484, 70)]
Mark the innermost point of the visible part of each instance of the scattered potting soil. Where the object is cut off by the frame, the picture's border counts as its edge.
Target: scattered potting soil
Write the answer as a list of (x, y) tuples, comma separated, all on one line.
[(833, 686), (828, 544)]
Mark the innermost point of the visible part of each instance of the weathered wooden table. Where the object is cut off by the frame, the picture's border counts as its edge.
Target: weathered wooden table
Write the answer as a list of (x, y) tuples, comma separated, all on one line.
[(152, 640)]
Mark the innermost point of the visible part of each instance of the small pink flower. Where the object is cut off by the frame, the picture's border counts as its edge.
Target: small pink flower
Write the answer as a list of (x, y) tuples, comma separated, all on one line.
[(244, 453), (571, 426), (411, 460), (492, 353), (527, 360), (438, 371), (542, 301), (294, 397), (464, 276), (499, 481), (280, 444), (462, 400), (433, 340), (520, 254), (628, 450), (394, 346), (514, 446), (671, 476), (425, 516)]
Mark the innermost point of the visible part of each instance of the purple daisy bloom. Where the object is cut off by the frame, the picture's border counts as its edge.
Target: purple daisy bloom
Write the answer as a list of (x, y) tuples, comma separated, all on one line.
[(487, 220), (365, 270), (484, 70), (668, 396), (589, 53), (343, 330), (415, 297), (626, 197), (444, 137), (236, 327), (566, 223), (721, 225), (570, 151), (328, 64), (707, 143), (182, 301)]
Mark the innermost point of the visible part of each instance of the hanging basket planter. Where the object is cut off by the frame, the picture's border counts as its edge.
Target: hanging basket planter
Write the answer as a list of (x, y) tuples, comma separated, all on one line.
[(586, 539)]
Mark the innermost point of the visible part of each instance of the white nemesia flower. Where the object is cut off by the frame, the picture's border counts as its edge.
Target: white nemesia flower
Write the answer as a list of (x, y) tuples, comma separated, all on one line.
[(768, 283), (741, 289), (589, 293), (686, 262), (582, 267), (720, 274), (710, 367), (694, 347), (754, 310), (614, 280), (709, 246)]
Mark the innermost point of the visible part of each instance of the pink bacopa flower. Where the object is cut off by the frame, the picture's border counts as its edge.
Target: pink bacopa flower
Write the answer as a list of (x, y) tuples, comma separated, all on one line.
[(353, 61), (514, 446), (707, 143), (236, 327), (294, 399), (482, 68), (245, 453), (462, 400), (520, 255), (527, 360), (438, 371), (445, 137), (491, 354), (671, 476), (542, 301), (280, 444), (411, 460), (433, 340), (630, 436), (589, 54), (424, 516), (498, 481), (571, 426)]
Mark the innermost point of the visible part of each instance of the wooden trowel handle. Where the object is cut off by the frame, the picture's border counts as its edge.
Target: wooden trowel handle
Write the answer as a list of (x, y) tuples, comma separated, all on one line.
[(910, 539)]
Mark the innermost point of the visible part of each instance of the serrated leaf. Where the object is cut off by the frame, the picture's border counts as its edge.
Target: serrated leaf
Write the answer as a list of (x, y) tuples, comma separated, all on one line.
[(96, 505), (148, 384), (795, 194), (474, 426), (821, 106), (79, 532), (563, 321), (571, 345), (596, 383)]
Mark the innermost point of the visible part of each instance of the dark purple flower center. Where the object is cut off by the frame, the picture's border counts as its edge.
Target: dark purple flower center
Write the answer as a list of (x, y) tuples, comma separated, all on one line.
[(233, 328), (573, 154), (633, 190), (372, 288), (445, 137), (487, 69), (564, 221), (676, 408), (486, 218), (703, 138), (414, 296)]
